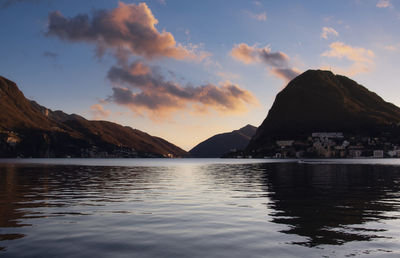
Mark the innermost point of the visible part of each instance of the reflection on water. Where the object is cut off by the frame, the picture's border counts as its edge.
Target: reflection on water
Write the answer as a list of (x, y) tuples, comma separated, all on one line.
[(329, 204), (199, 209)]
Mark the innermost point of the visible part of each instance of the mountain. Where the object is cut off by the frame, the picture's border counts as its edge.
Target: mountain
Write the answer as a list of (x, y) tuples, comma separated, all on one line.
[(320, 101), (220, 144), (28, 129)]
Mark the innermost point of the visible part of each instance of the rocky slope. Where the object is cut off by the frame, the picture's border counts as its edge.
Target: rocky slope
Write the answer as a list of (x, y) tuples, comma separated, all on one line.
[(28, 129), (319, 101)]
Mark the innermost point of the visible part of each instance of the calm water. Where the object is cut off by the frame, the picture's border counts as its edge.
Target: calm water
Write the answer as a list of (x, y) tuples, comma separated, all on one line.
[(199, 208)]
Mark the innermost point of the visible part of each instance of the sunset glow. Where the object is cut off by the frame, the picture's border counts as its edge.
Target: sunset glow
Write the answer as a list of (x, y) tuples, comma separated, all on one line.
[(186, 70)]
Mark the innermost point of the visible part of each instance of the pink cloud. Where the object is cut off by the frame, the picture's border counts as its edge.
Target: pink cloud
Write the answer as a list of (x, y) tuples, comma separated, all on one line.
[(129, 29), (98, 112), (326, 31), (361, 58), (245, 53), (277, 61), (285, 73), (257, 16), (151, 92), (383, 4)]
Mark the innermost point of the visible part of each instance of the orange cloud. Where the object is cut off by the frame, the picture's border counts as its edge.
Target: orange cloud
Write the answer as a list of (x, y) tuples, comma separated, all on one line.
[(356, 54), (326, 31), (127, 29), (285, 73), (278, 61), (391, 47), (98, 112), (251, 54), (245, 53), (383, 4), (150, 92), (257, 16), (139, 69), (361, 58)]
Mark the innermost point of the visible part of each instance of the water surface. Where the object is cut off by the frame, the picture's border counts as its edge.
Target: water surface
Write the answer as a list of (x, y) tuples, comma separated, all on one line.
[(199, 208)]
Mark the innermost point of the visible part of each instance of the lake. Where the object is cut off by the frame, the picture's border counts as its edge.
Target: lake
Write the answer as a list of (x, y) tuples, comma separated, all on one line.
[(199, 208)]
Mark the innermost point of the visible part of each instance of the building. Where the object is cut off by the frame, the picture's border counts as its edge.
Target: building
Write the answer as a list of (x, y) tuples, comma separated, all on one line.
[(284, 144), (378, 153), (327, 135)]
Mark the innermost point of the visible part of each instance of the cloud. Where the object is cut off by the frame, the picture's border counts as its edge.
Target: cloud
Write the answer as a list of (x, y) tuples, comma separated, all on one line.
[(383, 4), (98, 112), (285, 73), (129, 29), (257, 16), (278, 61), (391, 47), (151, 92), (245, 53), (326, 31), (251, 54), (227, 75), (361, 58), (49, 54)]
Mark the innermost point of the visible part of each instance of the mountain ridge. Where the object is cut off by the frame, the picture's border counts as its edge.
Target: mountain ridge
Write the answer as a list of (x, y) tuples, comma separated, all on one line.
[(29, 129), (320, 101), (218, 145)]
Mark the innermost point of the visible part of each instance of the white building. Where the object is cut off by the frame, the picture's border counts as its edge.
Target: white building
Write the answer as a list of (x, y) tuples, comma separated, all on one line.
[(355, 153), (284, 144), (327, 135), (378, 153), (394, 153)]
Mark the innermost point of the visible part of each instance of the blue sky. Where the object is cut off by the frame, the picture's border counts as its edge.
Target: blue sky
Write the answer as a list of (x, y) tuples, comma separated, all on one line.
[(218, 69)]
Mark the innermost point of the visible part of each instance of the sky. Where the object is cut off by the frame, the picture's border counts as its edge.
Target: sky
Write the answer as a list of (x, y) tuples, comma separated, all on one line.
[(187, 70)]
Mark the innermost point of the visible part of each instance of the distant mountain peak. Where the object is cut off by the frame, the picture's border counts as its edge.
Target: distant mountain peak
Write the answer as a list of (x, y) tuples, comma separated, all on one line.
[(247, 130), (220, 144), (246, 127)]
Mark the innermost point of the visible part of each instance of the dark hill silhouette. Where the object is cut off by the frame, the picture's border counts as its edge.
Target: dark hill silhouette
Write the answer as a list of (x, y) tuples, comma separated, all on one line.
[(319, 101), (28, 129), (220, 144)]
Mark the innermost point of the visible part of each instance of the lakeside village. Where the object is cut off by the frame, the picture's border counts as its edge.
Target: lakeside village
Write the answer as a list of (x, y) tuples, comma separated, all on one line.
[(9, 143), (332, 145)]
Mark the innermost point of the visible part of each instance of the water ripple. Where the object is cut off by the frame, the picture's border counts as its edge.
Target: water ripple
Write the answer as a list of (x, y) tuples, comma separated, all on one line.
[(186, 208)]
